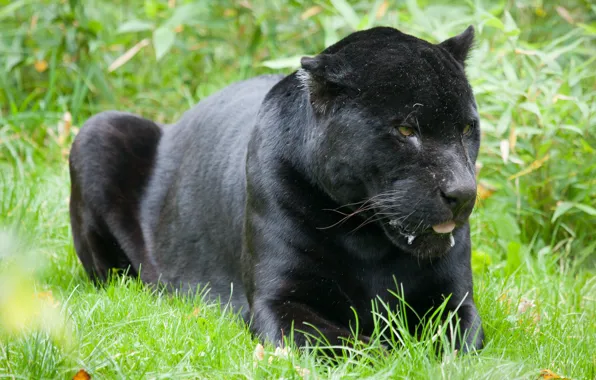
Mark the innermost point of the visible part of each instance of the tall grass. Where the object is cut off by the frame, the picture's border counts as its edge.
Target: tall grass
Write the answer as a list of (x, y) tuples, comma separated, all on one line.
[(533, 74)]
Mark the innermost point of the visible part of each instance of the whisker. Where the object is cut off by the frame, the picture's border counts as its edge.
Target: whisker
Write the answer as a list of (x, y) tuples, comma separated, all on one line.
[(383, 201)]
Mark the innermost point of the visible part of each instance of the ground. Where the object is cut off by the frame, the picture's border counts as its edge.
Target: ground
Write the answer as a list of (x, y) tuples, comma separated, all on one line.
[(534, 254)]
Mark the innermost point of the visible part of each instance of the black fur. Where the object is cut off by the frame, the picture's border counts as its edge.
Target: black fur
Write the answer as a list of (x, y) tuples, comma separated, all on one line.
[(297, 195)]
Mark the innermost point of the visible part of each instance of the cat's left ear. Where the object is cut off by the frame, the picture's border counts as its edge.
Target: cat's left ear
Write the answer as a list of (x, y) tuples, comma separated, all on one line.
[(460, 45)]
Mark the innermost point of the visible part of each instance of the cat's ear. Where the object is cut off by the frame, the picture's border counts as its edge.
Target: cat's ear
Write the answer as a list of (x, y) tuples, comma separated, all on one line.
[(460, 45), (325, 77)]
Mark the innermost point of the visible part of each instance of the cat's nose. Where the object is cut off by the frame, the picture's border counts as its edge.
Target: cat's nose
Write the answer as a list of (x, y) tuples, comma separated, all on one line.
[(458, 194)]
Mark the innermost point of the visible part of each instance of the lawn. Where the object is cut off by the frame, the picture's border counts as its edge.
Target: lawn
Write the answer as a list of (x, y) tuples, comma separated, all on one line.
[(534, 74)]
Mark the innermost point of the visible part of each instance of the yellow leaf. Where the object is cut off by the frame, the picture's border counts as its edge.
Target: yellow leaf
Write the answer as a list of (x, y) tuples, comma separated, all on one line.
[(312, 11), (547, 374), (533, 166), (484, 191), (127, 56), (230, 12), (41, 65), (82, 375), (382, 9), (48, 297), (512, 138)]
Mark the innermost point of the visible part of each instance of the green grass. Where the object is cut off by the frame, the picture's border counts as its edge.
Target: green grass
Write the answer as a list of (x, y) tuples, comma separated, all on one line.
[(534, 252)]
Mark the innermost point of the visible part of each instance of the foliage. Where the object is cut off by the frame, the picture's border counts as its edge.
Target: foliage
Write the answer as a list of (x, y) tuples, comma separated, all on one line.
[(534, 78)]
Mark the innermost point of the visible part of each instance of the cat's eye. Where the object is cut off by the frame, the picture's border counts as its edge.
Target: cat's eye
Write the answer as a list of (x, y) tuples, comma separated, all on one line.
[(467, 130), (405, 131)]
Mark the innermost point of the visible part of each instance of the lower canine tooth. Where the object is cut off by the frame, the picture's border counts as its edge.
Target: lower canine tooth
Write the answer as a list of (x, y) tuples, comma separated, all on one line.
[(411, 239), (451, 240)]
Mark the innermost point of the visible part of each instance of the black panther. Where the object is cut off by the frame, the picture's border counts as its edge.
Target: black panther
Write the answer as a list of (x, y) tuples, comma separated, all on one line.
[(298, 198)]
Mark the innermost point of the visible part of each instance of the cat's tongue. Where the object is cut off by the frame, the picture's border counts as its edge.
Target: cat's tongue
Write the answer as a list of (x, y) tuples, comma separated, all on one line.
[(444, 228)]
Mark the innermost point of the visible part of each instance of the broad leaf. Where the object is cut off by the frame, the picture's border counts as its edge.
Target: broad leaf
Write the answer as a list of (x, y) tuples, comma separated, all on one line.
[(163, 39)]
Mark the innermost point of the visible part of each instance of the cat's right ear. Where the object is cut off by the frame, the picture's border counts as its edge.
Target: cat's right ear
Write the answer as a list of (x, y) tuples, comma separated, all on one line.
[(325, 76)]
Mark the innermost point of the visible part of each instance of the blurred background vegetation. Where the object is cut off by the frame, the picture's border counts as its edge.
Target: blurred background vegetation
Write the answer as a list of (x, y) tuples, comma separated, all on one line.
[(534, 74), (533, 71)]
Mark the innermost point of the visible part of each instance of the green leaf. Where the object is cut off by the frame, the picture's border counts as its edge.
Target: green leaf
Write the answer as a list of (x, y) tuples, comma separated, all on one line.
[(591, 29), (494, 23), (368, 21), (561, 209), (504, 121), (585, 208), (95, 26), (15, 55), (480, 261), (347, 13), (532, 107), (511, 28), (135, 26), (330, 33), (529, 131), (506, 227), (587, 147), (514, 257), (163, 40), (283, 63), (183, 14), (8, 10), (572, 128)]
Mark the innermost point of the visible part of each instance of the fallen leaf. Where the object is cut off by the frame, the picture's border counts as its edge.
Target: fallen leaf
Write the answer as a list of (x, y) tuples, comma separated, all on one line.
[(512, 138), (484, 191), (259, 352), (524, 305), (41, 65), (302, 372), (547, 374), (127, 56), (179, 28), (533, 166), (563, 97), (312, 11), (504, 145), (526, 52), (505, 299), (246, 4), (564, 13), (34, 20), (48, 297), (65, 128), (382, 9), (230, 12), (281, 352), (82, 375)]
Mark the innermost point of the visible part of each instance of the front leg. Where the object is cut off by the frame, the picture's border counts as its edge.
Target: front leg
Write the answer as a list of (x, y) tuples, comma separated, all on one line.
[(470, 335), (275, 320)]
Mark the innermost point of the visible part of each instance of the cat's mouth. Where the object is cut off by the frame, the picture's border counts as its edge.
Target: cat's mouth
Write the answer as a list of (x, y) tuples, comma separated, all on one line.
[(434, 240)]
